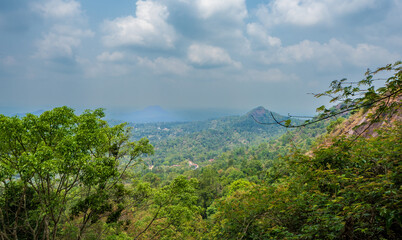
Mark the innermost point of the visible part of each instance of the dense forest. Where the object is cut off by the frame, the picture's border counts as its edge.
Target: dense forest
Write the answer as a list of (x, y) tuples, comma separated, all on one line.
[(199, 141), (257, 176)]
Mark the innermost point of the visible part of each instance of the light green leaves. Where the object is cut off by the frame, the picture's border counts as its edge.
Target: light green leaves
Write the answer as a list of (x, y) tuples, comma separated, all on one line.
[(59, 153)]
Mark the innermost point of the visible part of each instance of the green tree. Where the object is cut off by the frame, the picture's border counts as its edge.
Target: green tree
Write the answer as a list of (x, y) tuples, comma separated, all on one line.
[(348, 189), (209, 188), (66, 164), (343, 191), (172, 210), (381, 102)]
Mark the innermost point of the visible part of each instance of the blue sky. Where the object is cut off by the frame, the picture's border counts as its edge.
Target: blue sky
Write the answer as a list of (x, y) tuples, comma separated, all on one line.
[(189, 54)]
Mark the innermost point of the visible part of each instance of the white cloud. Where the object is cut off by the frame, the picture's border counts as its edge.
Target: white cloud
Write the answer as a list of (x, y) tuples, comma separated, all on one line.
[(231, 9), (260, 37), (309, 12), (270, 75), (303, 51), (66, 32), (149, 28), (110, 57), (209, 56), (165, 65), (60, 42), (106, 66), (58, 8), (334, 53), (117, 64), (365, 55)]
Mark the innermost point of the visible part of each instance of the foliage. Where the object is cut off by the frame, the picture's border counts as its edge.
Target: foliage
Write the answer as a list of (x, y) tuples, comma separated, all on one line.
[(201, 141), (350, 189), (64, 176), (363, 94), (351, 96), (351, 192), (171, 211), (65, 164)]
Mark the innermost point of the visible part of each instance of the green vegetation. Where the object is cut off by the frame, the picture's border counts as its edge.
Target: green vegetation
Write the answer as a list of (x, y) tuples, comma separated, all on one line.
[(343, 191), (64, 176), (178, 143), (58, 166)]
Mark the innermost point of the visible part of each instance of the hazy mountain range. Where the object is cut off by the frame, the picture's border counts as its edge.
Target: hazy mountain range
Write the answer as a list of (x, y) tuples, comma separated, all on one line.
[(150, 114), (153, 114)]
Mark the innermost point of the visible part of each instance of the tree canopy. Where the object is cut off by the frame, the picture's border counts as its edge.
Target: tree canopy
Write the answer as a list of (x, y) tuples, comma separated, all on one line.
[(60, 164)]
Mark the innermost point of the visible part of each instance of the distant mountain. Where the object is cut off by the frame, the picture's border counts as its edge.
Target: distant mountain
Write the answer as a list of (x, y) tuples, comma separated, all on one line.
[(37, 113), (261, 114), (239, 124), (154, 114), (248, 122), (150, 114)]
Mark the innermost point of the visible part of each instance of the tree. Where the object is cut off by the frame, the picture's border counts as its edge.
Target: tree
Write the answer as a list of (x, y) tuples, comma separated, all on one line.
[(209, 188), (341, 191), (362, 95), (348, 189), (172, 211), (64, 163)]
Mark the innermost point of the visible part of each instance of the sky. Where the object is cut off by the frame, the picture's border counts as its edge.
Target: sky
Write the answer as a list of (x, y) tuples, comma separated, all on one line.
[(189, 54)]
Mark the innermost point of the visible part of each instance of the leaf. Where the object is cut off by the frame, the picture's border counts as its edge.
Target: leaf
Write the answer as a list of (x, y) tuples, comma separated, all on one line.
[(321, 108)]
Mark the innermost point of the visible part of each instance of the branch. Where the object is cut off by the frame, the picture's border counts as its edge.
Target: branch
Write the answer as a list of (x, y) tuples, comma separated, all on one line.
[(276, 122), (150, 223), (329, 116)]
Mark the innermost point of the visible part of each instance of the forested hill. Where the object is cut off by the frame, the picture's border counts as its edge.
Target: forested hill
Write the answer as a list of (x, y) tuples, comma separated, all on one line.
[(244, 123), (203, 140)]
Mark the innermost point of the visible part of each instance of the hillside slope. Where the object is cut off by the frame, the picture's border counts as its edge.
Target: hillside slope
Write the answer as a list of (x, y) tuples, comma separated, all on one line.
[(204, 140)]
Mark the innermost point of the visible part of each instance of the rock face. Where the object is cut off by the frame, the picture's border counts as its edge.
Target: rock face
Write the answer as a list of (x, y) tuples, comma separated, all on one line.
[(358, 124)]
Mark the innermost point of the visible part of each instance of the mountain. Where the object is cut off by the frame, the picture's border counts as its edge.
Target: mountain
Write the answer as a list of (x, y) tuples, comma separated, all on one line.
[(154, 114), (37, 113), (148, 115), (240, 124)]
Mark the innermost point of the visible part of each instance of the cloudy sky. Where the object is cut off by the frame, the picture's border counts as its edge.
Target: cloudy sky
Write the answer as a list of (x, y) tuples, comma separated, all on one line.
[(189, 54)]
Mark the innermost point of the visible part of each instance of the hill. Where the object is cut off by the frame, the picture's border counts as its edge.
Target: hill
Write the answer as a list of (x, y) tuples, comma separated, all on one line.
[(200, 141)]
